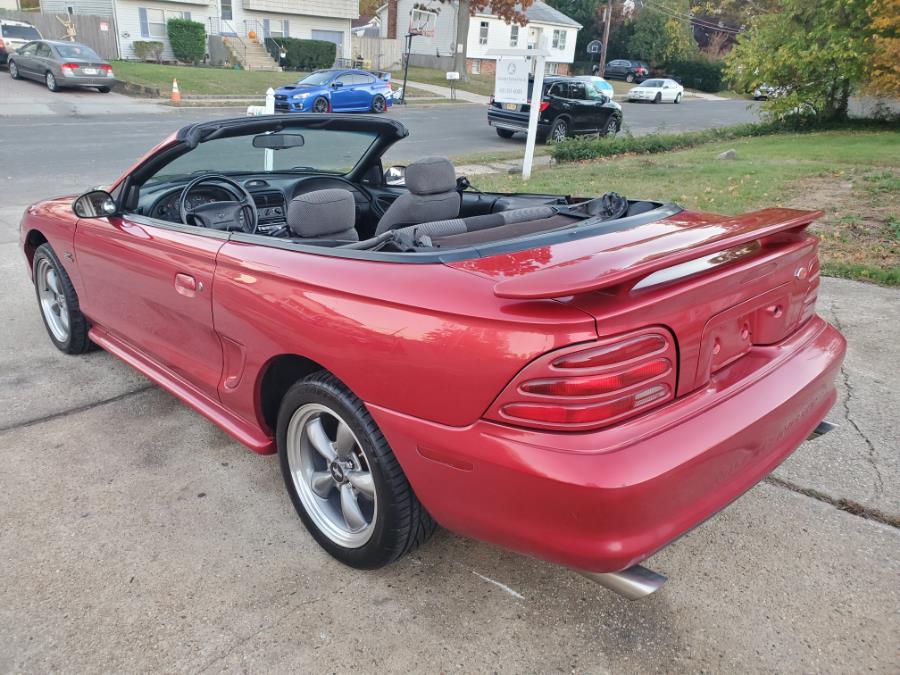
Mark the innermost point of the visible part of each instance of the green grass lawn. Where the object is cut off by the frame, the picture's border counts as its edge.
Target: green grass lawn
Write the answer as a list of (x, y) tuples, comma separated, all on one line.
[(853, 176), (202, 81), (477, 84)]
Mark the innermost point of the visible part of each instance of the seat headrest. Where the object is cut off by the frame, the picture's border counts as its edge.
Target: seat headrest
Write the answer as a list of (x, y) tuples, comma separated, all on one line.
[(323, 214), (430, 175)]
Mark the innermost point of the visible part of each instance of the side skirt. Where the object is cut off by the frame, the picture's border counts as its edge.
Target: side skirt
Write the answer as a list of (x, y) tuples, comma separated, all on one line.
[(233, 425)]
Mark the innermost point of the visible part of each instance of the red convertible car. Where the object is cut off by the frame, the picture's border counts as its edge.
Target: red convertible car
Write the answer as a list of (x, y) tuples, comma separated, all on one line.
[(579, 379)]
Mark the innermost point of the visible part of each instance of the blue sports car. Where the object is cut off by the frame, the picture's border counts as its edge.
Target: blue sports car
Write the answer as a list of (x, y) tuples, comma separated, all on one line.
[(336, 91)]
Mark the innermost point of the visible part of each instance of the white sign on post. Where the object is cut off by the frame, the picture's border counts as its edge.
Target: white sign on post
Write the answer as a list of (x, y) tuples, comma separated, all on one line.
[(511, 81)]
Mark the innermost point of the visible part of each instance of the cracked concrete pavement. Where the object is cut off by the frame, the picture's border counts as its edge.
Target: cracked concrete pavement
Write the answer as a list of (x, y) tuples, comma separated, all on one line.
[(138, 537)]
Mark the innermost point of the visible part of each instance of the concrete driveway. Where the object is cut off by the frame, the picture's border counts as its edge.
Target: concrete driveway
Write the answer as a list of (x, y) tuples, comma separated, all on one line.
[(30, 98), (138, 537)]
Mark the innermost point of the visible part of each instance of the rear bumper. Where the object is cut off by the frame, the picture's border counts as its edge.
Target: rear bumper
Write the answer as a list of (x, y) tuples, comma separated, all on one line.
[(86, 81), (517, 122), (606, 500)]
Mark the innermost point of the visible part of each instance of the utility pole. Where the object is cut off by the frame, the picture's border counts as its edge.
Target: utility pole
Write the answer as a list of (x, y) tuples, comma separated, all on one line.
[(606, 22)]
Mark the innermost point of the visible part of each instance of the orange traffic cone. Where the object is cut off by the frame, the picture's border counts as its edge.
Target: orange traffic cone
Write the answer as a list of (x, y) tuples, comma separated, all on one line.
[(176, 95)]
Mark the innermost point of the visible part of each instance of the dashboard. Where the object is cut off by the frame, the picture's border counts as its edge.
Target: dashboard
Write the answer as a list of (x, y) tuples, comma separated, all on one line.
[(271, 195)]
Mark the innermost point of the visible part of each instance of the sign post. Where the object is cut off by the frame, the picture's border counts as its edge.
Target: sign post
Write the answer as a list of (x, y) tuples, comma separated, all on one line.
[(511, 86)]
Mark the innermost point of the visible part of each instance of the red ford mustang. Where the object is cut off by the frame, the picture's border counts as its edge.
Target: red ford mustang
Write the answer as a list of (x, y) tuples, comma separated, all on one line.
[(582, 380)]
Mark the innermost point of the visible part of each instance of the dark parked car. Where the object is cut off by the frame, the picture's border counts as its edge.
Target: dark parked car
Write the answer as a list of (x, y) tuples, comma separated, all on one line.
[(61, 64), (628, 70), (15, 34), (569, 107)]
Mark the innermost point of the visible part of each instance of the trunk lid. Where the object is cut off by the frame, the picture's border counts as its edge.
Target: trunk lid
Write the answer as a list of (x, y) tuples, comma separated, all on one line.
[(721, 285)]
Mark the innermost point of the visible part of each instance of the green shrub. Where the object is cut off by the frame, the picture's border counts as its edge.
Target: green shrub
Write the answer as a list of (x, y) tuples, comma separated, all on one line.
[(699, 72), (585, 148), (188, 39), (303, 54), (148, 50)]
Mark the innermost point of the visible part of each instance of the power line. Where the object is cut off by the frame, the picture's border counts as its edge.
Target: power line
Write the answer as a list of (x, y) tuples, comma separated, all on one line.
[(700, 23)]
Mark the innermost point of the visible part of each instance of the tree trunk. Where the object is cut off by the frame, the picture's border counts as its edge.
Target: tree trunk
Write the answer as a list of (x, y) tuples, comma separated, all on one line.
[(462, 38), (843, 103)]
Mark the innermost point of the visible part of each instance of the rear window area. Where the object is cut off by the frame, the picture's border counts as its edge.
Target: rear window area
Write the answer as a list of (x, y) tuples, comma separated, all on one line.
[(77, 52), (20, 32)]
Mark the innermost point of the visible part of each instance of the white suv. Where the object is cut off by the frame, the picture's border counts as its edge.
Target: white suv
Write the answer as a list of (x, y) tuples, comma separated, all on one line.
[(15, 34)]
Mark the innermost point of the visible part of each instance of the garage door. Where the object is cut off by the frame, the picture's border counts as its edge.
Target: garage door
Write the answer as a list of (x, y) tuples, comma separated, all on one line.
[(335, 36)]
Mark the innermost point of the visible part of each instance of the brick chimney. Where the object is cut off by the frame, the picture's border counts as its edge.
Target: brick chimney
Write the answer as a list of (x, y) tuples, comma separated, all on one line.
[(392, 19)]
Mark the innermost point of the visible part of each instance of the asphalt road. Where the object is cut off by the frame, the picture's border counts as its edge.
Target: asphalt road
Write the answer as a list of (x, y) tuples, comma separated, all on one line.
[(135, 536)]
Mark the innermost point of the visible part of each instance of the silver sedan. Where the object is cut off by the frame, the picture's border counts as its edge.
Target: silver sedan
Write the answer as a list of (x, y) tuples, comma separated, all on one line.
[(61, 64)]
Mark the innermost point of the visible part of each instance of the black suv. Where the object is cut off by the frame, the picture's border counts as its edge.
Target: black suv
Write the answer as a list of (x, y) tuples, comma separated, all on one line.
[(625, 69), (569, 107)]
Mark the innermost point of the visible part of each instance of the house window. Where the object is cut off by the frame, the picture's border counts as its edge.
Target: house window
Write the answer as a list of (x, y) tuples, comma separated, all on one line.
[(559, 39), (225, 10), (551, 68), (476, 66), (177, 15), (483, 33), (514, 36), (156, 23)]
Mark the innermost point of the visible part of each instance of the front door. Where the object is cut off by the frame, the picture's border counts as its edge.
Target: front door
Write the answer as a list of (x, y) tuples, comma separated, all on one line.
[(149, 284)]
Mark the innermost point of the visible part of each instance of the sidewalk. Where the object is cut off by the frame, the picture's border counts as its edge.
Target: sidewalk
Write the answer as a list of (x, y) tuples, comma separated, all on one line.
[(466, 96)]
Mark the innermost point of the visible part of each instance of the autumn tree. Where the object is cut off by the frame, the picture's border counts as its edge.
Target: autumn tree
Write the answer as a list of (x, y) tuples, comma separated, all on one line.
[(883, 69), (813, 53)]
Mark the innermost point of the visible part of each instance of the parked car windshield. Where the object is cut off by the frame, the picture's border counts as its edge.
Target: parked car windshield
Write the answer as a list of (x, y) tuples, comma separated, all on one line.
[(20, 32), (318, 78), (652, 83), (322, 151), (77, 52)]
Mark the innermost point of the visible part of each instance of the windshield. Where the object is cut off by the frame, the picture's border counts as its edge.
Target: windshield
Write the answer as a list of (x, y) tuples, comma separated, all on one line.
[(652, 83), (77, 52), (320, 150), (318, 78), (20, 32)]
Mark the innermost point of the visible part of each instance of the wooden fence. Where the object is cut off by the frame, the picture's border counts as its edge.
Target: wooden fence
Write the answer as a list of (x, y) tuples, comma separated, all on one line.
[(380, 53), (97, 32)]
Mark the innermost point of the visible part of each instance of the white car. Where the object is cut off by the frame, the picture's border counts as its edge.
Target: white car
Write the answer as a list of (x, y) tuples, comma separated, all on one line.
[(657, 90)]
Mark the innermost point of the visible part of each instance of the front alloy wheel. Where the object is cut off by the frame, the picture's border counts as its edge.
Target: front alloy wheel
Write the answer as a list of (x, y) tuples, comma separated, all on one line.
[(343, 477), (13, 70), (612, 127), (320, 105), (58, 302), (558, 132)]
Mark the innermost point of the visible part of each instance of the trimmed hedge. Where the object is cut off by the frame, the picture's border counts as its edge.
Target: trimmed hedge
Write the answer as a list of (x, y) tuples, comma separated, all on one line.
[(698, 73), (587, 148), (188, 39), (303, 54), (148, 50)]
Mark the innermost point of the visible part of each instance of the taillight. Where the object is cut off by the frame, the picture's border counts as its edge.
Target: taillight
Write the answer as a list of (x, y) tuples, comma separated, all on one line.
[(544, 105), (106, 68), (2, 44), (591, 386), (69, 68)]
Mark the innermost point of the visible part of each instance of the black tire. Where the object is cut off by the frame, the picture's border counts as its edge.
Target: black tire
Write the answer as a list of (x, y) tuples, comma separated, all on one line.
[(505, 133), (559, 131), (104, 90), (50, 81), (612, 126), (320, 105), (657, 98), (629, 77), (77, 341), (402, 523), (379, 105), (678, 99), (13, 70)]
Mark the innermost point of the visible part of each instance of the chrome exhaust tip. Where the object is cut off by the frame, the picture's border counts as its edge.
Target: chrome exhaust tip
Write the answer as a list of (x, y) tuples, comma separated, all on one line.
[(634, 583), (823, 428)]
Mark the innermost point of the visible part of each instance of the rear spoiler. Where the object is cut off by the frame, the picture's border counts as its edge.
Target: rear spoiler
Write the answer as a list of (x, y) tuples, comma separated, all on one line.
[(629, 264)]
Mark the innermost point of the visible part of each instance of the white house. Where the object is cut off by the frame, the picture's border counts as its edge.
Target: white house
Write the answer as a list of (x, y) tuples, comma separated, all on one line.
[(437, 42), (146, 19)]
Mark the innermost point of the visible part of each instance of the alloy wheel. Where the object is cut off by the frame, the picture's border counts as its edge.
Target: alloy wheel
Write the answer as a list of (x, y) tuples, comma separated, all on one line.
[(559, 132), (53, 300), (51, 82), (611, 127), (13, 70), (331, 474), (320, 105), (378, 104)]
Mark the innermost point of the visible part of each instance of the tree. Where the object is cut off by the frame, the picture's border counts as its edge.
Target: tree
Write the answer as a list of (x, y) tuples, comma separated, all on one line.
[(659, 37), (883, 70), (814, 54)]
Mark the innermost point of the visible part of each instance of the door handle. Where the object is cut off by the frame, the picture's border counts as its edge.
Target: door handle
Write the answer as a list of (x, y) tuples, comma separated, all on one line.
[(187, 285)]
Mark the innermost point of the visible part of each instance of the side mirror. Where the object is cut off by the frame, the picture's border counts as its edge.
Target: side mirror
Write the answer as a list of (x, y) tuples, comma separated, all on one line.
[(95, 204), (337, 85), (395, 175)]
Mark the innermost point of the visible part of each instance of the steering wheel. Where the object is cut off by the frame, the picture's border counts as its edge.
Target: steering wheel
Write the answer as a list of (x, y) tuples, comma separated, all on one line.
[(229, 216)]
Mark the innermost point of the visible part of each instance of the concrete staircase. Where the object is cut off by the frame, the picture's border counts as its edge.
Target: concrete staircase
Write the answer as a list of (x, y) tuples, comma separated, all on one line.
[(251, 55)]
